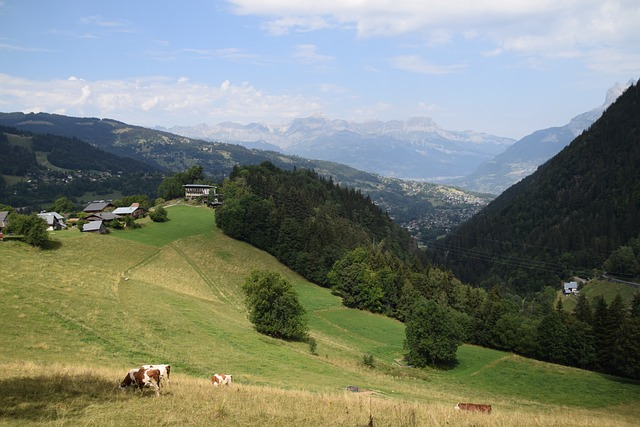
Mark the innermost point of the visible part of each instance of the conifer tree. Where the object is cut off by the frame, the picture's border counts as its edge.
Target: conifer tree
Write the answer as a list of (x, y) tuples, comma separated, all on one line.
[(582, 311)]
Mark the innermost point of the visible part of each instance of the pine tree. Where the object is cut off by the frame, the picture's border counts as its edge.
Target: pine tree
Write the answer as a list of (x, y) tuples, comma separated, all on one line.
[(582, 311), (602, 339), (552, 338)]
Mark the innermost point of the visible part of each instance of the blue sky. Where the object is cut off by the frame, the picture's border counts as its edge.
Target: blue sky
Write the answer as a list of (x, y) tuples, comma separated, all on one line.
[(502, 67)]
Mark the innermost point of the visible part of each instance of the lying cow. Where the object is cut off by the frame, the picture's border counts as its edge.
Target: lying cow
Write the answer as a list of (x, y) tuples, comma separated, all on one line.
[(474, 407), (221, 379), (165, 371), (142, 378)]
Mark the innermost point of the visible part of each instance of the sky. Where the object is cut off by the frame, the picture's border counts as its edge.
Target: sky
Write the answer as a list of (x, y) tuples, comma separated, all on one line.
[(506, 68)]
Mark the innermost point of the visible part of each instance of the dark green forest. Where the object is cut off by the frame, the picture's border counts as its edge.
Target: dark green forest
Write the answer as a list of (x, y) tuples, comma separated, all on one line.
[(305, 220), (565, 219)]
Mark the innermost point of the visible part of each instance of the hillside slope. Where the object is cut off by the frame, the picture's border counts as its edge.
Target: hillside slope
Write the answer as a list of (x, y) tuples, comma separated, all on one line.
[(171, 293), (566, 217)]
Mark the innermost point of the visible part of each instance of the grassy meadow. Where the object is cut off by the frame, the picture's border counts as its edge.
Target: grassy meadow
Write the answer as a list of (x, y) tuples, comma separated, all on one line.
[(77, 316), (600, 287)]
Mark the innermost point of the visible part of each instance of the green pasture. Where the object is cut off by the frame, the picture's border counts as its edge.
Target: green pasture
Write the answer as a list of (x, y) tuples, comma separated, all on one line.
[(605, 288), (22, 141), (171, 293)]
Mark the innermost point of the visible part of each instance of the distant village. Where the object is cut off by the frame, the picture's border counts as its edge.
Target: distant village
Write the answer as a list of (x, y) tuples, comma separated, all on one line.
[(97, 215)]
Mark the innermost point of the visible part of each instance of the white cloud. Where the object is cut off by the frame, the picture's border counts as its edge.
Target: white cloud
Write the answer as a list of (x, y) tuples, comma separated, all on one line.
[(544, 28), (18, 48), (137, 101), (307, 53), (416, 64)]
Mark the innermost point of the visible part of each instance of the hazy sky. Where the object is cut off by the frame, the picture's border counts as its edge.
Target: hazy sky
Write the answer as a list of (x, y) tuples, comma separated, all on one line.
[(506, 67)]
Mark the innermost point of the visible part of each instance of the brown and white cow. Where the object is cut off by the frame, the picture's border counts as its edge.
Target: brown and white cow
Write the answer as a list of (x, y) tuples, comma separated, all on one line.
[(142, 378), (474, 407), (221, 379), (165, 372)]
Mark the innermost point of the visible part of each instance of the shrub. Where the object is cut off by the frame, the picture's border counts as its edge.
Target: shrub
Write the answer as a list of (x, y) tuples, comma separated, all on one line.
[(273, 306)]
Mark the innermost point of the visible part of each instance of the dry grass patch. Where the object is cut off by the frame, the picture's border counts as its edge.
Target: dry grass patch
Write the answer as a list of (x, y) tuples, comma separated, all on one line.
[(62, 395)]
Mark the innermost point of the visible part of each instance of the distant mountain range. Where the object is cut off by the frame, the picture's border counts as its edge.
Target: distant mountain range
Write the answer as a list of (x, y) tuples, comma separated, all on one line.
[(415, 149)]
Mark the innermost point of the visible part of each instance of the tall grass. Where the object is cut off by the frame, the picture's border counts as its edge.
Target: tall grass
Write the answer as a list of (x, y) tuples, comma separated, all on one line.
[(63, 395), (171, 293)]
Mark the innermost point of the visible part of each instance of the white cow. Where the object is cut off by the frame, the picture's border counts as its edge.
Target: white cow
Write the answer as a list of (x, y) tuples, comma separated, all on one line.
[(165, 371), (221, 379), (142, 378)]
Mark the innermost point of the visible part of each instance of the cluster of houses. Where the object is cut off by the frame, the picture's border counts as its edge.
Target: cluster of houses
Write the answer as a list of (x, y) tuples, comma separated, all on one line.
[(100, 212)]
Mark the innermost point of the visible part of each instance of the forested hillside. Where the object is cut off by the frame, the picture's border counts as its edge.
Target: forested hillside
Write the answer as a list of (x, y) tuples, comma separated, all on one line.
[(307, 221), (566, 218), (43, 167)]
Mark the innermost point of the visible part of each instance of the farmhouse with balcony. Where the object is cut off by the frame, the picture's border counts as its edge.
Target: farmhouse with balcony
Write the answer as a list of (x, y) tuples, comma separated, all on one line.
[(193, 191)]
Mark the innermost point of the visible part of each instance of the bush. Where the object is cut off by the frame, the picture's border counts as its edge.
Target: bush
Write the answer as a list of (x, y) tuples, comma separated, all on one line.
[(159, 214), (369, 361), (273, 306), (313, 346), (32, 227)]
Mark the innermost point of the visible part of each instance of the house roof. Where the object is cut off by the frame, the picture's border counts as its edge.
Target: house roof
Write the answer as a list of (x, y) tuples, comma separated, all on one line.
[(92, 226), (51, 217), (97, 206), (570, 285), (198, 186), (107, 216), (126, 210), (3, 217)]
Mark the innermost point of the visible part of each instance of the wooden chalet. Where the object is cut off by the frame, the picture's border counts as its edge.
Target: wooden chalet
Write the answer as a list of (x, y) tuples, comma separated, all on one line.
[(134, 210)]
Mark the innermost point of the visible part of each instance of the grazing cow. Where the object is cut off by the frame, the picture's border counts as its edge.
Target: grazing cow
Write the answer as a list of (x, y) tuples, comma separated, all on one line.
[(142, 378), (474, 407), (221, 379), (165, 371)]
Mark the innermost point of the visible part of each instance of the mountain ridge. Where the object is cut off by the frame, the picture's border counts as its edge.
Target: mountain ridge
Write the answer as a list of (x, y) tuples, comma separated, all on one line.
[(416, 148)]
